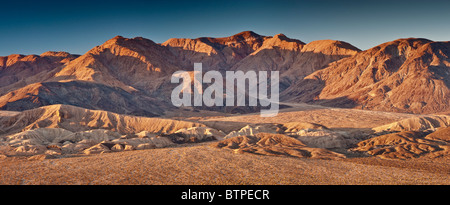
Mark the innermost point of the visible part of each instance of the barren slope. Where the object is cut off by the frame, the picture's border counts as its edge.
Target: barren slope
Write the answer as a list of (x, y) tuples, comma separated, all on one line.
[(405, 75), (215, 53), (130, 64), (326, 116), (269, 144), (405, 145), (80, 119), (19, 70), (84, 94)]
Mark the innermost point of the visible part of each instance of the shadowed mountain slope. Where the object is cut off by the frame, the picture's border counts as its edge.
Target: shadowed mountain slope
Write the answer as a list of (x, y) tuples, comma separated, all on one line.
[(405, 75)]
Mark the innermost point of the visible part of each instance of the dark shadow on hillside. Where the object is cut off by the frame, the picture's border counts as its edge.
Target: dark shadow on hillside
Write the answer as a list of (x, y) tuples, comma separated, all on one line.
[(88, 95), (308, 91), (219, 63)]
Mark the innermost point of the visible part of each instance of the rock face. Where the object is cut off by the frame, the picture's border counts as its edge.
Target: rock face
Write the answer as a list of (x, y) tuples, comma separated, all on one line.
[(405, 75), (116, 76)]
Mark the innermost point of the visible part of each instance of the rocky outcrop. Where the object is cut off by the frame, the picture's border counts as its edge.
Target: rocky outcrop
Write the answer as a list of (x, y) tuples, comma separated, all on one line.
[(39, 136), (416, 124), (250, 130), (198, 134), (57, 141), (325, 138), (274, 145), (404, 145)]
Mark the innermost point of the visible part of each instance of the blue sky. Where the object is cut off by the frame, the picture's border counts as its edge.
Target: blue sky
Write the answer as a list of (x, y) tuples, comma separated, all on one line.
[(33, 27)]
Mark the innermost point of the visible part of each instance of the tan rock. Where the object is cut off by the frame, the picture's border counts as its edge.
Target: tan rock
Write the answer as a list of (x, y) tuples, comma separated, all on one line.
[(201, 133), (117, 148), (324, 138), (30, 149), (96, 149), (251, 130), (128, 148), (52, 152), (40, 157)]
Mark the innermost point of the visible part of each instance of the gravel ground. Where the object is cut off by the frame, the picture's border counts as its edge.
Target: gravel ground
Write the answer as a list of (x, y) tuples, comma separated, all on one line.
[(203, 164)]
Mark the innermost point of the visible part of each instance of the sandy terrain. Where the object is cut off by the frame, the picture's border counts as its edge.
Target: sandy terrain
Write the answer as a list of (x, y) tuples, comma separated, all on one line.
[(329, 117), (204, 164)]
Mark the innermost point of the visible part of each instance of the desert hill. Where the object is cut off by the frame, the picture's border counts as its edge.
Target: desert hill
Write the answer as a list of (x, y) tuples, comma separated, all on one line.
[(416, 124), (405, 75), (76, 119), (18, 67), (406, 144), (294, 59), (84, 94), (130, 64), (20, 70), (274, 145)]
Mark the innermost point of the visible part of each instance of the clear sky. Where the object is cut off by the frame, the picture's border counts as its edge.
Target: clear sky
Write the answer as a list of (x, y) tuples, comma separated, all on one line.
[(33, 27)]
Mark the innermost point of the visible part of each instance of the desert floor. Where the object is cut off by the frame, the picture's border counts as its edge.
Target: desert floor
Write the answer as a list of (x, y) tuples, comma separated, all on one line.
[(201, 163)]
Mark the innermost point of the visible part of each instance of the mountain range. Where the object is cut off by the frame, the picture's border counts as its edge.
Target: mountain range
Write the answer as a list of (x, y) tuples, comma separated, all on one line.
[(132, 75)]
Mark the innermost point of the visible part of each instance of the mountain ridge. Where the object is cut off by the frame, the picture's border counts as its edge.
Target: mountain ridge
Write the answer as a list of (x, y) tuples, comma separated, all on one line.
[(328, 72)]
